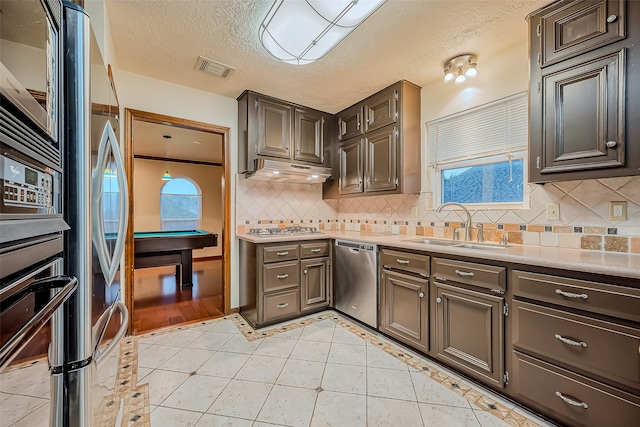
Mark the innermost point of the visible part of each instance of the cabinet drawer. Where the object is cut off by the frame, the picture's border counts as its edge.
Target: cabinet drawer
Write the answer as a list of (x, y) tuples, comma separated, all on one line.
[(414, 263), (281, 275), (571, 398), (484, 276), (605, 349), (280, 253), (611, 300), (281, 304), (315, 249)]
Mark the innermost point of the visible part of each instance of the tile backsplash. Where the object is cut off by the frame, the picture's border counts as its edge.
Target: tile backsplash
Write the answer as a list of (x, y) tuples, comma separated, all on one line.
[(584, 213)]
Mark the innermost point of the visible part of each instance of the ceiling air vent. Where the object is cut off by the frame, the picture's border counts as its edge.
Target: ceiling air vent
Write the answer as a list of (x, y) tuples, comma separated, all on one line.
[(215, 68)]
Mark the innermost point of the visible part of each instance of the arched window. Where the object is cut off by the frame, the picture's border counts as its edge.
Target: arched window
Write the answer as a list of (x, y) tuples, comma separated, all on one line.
[(180, 205)]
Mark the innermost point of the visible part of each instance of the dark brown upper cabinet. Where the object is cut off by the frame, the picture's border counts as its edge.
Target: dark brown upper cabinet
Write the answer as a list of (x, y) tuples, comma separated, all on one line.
[(351, 169), (580, 27), (383, 132), (583, 94), (273, 128), (309, 135), (350, 123)]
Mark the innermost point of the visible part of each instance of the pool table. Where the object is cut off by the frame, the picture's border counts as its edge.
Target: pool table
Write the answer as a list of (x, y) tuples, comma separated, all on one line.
[(160, 248)]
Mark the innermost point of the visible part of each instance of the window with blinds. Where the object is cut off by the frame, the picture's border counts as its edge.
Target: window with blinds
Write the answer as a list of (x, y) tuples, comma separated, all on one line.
[(477, 156)]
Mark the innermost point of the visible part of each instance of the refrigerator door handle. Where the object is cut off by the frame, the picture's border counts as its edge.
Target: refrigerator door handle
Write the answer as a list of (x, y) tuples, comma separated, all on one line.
[(108, 146), (16, 343), (100, 356)]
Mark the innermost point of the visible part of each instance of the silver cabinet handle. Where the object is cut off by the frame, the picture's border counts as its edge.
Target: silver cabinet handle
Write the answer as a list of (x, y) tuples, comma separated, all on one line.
[(611, 144), (283, 305), (402, 261), (571, 401), (282, 276), (571, 342), (305, 271), (464, 273), (438, 300), (611, 19), (282, 253), (421, 294), (571, 295), (315, 251)]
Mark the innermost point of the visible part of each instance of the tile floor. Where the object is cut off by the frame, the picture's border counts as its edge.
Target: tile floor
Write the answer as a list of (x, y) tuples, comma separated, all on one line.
[(319, 371)]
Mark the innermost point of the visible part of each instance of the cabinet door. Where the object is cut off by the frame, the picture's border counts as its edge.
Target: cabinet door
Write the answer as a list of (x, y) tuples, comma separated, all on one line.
[(274, 128), (583, 116), (351, 170), (469, 331), (350, 123), (404, 308), (579, 27), (380, 168), (309, 134), (315, 285), (381, 110)]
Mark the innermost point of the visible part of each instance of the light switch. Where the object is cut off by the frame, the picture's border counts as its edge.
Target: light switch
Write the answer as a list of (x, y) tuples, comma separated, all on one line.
[(553, 212), (387, 212), (414, 212)]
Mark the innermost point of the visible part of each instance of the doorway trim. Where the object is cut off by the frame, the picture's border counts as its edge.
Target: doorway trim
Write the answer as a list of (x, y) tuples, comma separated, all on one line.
[(129, 116)]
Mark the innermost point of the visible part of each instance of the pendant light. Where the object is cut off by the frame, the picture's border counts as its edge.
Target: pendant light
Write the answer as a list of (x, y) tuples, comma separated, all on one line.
[(166, 176)]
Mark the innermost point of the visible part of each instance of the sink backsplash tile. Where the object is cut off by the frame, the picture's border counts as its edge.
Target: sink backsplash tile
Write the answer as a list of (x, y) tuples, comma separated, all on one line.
[(584, 213)]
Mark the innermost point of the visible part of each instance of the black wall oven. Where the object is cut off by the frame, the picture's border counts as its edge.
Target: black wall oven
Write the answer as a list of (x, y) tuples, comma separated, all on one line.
[(31, 172)]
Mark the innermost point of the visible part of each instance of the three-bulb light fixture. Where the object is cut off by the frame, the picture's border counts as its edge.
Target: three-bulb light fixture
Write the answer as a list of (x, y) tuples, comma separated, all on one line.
[(300, 32), (460, 68)]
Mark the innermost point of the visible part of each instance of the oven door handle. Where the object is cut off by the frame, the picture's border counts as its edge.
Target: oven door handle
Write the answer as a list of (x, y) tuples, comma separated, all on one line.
[(101, 325), (67, 286)]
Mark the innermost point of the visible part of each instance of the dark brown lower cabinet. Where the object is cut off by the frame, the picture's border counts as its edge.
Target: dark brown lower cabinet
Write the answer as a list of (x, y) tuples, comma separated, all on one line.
[(570, 398), (404, 316), (468, 331), (315, 284)]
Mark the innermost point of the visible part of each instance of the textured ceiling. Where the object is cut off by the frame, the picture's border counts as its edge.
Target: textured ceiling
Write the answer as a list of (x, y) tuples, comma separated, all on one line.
[(402, 40)]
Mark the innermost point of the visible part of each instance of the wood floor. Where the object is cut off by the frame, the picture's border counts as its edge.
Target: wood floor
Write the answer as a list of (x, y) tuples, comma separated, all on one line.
[(159, 302)]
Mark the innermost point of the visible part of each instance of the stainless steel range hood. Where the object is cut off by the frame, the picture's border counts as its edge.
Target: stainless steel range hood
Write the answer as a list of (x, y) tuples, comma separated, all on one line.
[(278, 171)]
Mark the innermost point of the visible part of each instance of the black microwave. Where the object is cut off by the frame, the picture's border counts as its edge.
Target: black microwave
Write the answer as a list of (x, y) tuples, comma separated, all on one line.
[(30, 81)]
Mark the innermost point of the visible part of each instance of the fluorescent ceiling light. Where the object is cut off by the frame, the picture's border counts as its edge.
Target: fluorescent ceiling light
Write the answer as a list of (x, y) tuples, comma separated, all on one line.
[(302, 31)]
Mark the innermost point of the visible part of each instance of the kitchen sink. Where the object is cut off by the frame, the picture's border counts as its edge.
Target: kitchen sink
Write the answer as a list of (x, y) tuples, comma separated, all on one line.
[(437, 242), (458, 244), (482, 246)]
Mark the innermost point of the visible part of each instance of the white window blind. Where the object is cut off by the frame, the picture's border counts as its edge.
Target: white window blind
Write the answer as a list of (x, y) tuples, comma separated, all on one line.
[(498, 127)]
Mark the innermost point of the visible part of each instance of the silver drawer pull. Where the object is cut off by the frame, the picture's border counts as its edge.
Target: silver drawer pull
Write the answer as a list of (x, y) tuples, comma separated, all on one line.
[(571, 401), (464, 273), (315, 251), (283, 305), (571, 295), (282, 276), (571, 342), (402, 261), (282, 253)]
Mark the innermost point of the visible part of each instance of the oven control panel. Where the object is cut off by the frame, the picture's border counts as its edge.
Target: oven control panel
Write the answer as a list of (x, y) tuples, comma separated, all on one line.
[(24, 185)]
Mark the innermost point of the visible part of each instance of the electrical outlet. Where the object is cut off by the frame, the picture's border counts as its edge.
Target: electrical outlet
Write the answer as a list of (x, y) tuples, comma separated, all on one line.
[(553, 212), (414, 212), (387, 212), (618, 211)]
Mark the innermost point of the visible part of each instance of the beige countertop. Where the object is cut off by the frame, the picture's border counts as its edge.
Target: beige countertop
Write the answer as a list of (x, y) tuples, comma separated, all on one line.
[(599, 262)]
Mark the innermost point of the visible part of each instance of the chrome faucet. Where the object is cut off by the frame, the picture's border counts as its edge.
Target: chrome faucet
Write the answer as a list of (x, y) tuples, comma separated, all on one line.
[(467, 222)]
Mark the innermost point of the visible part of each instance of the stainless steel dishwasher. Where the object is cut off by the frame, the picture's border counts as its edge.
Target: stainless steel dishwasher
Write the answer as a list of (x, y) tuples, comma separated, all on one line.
[(356, 281)]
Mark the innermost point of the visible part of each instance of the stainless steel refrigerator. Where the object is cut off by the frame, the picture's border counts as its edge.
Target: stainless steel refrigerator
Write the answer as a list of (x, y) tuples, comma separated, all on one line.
[(95, 318)]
